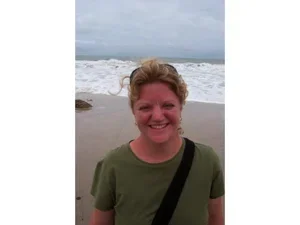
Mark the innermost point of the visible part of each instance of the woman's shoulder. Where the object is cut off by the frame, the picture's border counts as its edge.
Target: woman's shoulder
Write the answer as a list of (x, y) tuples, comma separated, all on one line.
[(206, 157), (206, 151), (110, 158), (116, 153)]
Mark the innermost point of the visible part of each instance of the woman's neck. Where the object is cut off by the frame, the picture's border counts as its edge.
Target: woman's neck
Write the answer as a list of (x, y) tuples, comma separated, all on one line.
[(151, 152)]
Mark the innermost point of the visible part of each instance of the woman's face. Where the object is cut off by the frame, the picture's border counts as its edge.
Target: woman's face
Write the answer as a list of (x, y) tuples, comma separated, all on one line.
[(157, 112)]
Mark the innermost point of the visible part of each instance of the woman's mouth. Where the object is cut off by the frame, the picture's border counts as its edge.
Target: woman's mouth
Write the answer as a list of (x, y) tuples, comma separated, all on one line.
[(159, 126)]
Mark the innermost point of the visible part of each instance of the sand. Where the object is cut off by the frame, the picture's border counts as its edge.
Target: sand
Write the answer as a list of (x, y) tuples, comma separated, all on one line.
[(110, 123)]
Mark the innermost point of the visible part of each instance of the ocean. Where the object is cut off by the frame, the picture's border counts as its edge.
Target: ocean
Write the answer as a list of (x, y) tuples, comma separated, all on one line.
[(100, 74)]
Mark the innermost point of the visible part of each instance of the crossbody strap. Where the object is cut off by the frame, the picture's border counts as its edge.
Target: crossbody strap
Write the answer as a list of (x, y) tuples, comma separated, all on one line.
[(170, 200)]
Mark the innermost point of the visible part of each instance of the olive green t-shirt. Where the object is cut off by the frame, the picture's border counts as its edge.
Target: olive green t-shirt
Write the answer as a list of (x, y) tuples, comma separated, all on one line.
[(134, 188)]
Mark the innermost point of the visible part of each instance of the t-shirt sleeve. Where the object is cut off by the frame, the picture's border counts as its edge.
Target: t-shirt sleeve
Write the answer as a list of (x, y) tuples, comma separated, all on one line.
[(217, 186), (103, 186)]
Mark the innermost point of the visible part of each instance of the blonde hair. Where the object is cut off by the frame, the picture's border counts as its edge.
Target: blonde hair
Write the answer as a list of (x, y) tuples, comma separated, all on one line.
[(150, 71)]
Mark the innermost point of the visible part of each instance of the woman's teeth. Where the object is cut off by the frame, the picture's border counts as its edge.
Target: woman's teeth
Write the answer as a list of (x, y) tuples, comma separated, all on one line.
[(158, 126)]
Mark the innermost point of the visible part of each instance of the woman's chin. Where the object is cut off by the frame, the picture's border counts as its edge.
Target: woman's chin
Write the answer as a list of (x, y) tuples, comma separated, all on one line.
[(159, 139)]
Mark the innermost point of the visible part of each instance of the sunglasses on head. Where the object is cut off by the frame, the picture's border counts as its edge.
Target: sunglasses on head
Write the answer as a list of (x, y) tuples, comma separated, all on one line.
[(165, 65)]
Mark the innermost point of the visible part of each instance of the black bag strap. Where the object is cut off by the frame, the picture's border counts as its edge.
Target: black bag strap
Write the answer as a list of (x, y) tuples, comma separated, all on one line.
[(170, 200)]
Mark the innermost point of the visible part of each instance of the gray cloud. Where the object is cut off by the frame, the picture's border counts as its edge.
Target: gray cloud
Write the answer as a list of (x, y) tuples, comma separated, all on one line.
[(182, 28)]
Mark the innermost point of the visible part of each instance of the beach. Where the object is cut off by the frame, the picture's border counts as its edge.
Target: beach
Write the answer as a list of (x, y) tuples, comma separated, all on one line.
[(110, 123)]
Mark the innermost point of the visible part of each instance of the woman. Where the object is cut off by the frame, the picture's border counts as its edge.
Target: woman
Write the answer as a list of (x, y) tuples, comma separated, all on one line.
[(131, 181)]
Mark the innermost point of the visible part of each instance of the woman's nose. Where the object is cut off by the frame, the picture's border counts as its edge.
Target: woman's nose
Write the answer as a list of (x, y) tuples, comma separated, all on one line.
[(157, 113)]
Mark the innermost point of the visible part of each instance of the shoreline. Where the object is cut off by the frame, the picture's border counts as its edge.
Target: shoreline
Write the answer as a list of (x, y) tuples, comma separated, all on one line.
[(84, 94)]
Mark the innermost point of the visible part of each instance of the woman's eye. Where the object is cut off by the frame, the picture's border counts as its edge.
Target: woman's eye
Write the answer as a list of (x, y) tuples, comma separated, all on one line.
[(168, 106), (144, 107)]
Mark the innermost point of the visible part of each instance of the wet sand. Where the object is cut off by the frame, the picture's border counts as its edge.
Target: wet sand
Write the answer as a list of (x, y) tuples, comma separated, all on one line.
[(110, 123)]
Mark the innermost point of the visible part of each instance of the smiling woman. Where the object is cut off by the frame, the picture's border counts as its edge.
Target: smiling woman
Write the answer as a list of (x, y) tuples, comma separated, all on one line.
[(132, 183), (157, 112)]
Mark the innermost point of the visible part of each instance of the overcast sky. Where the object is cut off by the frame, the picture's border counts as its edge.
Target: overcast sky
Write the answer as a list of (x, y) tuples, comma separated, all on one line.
[(173, 28)]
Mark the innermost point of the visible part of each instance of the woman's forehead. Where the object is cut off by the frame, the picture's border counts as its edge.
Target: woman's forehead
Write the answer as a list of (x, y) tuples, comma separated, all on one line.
[(156, 92), (156, 101), (155, 88), (158, 95)]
